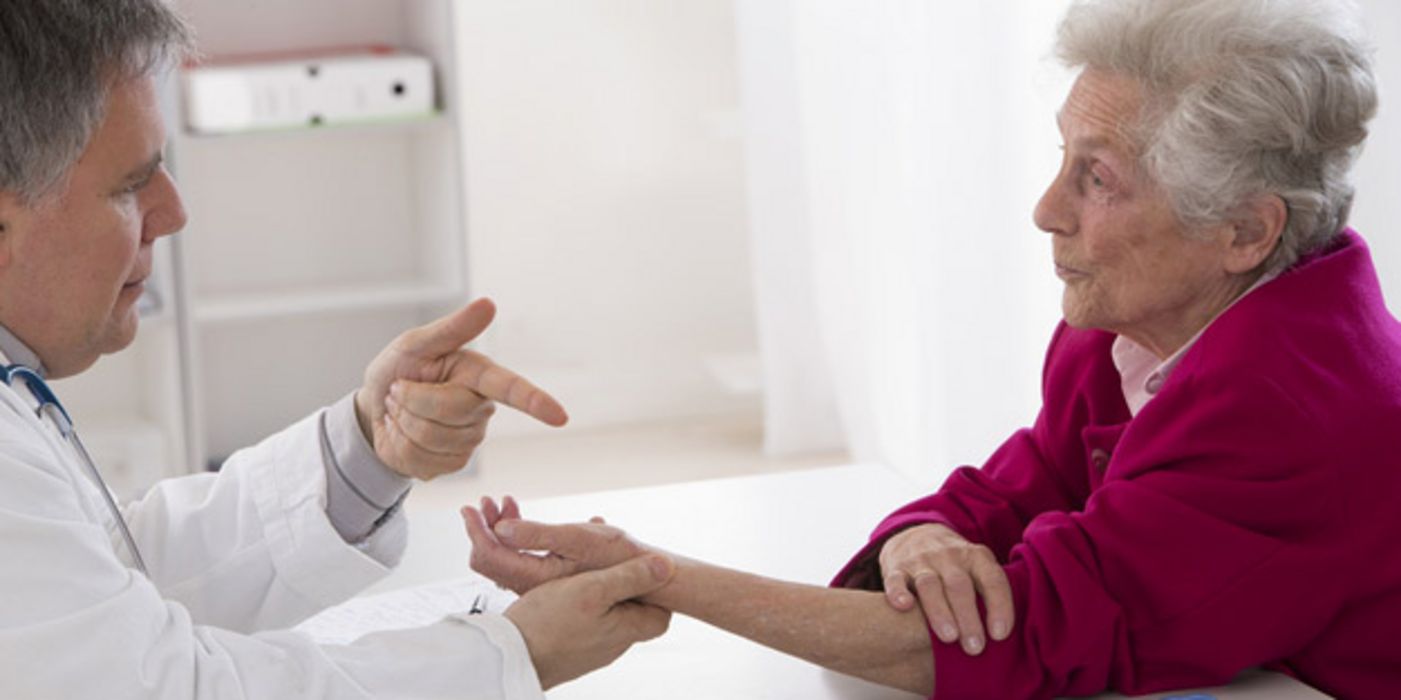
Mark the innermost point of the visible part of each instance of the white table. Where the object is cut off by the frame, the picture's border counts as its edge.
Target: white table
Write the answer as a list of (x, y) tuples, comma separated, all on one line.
[(798, 526)]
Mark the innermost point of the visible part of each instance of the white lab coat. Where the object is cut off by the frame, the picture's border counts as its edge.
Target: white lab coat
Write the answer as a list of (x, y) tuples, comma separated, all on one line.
[(234, 558)]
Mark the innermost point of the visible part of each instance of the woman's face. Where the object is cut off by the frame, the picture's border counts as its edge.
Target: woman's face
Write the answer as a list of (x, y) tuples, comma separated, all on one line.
[(1119, 248)]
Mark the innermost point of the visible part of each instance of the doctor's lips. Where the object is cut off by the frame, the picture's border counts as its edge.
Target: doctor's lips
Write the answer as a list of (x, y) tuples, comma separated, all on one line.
[(1066, 272)]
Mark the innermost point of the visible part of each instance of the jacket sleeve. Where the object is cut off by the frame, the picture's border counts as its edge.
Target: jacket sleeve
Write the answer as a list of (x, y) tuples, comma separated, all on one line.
[(1211, 548), (1028, 475), (78, 623), (251, 547)]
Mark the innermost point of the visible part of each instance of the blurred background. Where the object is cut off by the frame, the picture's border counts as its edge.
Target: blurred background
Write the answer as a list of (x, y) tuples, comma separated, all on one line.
[(732, 236)]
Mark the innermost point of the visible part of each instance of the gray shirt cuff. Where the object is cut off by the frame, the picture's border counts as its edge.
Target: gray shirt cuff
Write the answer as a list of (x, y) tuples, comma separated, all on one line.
[(361, 492)]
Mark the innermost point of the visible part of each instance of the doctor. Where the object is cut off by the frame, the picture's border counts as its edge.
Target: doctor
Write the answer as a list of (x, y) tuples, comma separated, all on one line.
[(188, 592)]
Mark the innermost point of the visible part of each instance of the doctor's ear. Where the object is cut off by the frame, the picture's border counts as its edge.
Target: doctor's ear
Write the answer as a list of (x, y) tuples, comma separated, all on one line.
[(9, 208)]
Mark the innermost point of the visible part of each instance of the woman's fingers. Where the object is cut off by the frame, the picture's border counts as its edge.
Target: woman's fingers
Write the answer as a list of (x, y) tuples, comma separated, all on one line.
[(963, 598), (897, 591), (932, 601), (949, 575), (518, 571), (992, 585), (510, 510), (490, 511)]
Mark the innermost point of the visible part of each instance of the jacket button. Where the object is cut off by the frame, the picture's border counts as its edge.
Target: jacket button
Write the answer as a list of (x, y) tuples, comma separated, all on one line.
[(1099, 458)]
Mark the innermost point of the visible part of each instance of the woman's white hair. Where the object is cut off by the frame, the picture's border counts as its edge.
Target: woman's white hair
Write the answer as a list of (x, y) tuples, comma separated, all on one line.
[(1244, 97)]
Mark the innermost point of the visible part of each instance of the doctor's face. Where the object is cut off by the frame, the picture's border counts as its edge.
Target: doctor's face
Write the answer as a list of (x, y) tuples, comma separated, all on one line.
[(73, 264)]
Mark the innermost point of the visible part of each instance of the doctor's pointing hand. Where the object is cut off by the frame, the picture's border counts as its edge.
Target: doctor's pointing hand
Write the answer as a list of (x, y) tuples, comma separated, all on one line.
[(426, 400)]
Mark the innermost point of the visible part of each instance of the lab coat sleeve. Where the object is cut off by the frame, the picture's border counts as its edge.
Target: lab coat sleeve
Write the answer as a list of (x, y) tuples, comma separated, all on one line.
[(251, 547), (76, 622)]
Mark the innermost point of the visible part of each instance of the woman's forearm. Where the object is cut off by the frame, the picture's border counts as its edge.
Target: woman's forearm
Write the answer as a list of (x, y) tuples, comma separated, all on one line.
[(854, 632)]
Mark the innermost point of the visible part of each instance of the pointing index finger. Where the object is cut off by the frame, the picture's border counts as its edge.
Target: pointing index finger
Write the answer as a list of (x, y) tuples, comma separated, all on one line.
[(504, 386)]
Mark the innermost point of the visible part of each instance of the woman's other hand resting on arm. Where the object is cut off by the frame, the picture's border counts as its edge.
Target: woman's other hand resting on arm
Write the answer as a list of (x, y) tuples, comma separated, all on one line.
[(947, 573)]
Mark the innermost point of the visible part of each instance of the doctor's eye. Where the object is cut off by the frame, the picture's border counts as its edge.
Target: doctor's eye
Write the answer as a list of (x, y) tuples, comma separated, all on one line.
[(135, 187)]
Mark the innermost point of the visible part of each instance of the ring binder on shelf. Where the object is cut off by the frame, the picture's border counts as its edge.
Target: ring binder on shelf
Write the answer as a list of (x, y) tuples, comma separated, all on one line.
[(290, 91)]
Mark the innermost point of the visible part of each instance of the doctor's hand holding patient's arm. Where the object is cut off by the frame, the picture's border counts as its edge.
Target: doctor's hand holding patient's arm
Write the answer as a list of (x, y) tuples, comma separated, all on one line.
[(426, 399), (574, 625)]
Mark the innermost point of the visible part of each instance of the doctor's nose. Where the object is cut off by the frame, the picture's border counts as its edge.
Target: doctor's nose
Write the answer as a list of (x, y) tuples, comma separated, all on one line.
[(167, 212)]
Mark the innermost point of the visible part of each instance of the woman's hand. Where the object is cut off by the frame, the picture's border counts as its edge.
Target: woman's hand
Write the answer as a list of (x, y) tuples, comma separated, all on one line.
[(521, 554), (947, 573)]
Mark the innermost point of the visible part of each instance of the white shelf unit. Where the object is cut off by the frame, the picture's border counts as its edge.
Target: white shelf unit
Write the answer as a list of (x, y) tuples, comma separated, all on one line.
[(308, 251)]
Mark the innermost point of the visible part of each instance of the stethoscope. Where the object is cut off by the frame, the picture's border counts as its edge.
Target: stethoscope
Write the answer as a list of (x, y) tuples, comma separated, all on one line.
[(50, 408)]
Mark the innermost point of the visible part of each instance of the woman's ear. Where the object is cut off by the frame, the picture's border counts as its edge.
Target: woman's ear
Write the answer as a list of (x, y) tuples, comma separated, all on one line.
[(1257, 231)]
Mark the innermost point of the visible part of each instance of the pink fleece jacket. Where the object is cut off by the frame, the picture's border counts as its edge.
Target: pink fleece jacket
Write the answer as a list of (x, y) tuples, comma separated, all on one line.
[(1250, 515)]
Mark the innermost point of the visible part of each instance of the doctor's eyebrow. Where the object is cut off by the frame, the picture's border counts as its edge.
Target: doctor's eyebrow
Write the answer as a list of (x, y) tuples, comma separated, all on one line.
[(144, 171)]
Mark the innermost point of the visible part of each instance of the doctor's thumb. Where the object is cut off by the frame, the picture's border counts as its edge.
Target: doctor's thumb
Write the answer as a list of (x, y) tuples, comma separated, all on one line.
[(634, 578), (449, 333)]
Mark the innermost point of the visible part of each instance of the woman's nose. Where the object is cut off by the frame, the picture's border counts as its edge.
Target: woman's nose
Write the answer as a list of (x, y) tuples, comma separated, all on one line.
[(1053, 213)]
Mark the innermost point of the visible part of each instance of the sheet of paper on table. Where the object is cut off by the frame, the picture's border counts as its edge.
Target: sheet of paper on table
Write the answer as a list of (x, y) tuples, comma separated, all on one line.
[(404, 608)]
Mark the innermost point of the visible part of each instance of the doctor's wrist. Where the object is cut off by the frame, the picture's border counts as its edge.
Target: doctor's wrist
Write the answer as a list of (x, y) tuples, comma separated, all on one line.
[(362, 418)]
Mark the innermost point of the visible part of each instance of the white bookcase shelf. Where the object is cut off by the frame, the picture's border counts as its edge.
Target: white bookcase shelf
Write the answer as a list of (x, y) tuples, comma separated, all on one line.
[(389, 295), (426, 123)]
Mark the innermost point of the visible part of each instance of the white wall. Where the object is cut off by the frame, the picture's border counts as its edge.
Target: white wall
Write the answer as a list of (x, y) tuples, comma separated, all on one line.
[(1377, 209), (605, 200)]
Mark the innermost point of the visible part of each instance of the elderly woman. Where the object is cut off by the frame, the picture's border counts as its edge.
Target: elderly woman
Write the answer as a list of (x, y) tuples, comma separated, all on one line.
[(1212, 482)]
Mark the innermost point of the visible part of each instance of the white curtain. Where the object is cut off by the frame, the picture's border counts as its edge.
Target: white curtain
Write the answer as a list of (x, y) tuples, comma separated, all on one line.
[(1377, 210), (896, 150)]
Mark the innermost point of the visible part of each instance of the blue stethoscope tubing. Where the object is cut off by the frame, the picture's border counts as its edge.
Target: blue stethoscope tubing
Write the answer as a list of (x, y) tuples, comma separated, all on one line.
[(50, 408)]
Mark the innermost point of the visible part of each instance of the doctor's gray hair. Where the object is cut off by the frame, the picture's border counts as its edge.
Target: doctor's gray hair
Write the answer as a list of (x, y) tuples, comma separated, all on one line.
[(58, 62), (1242, 98)]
